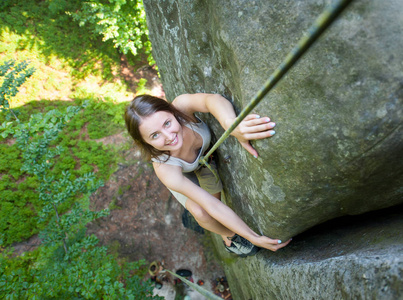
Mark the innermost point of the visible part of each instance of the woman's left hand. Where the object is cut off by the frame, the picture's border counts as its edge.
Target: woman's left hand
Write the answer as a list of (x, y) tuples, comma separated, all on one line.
[(253, 127)]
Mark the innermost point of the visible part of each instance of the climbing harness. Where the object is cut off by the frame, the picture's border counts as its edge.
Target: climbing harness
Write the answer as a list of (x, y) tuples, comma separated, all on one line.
[(320, 25)]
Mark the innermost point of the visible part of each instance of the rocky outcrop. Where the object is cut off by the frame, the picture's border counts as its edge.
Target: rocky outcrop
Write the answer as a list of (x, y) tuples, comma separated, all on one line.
[(338, 112), (349, 258)]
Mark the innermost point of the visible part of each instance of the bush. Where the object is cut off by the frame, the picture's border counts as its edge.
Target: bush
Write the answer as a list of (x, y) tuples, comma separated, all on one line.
[(68, 264), (122, 21)]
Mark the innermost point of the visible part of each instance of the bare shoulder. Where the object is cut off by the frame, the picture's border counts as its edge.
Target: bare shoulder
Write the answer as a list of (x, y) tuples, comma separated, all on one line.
[(173, 178), (169, 175), (191, 103)]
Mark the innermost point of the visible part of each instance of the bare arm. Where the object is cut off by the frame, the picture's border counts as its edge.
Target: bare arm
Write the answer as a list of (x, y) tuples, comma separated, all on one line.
[(172, 177), (253, 127)]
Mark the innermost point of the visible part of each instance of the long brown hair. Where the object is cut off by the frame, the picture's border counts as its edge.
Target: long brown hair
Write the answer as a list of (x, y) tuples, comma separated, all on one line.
[(144, 106)]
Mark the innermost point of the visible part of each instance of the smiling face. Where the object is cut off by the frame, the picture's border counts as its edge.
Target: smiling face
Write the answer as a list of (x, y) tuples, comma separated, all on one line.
[(162, 131)]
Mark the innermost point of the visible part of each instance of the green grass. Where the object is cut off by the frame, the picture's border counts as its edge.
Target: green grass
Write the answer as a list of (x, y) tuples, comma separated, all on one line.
[(72, 65), (82, 154), (70, 60)]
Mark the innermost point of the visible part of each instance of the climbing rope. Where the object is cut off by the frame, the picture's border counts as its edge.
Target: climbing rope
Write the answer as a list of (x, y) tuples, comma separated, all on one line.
[(320, 25)]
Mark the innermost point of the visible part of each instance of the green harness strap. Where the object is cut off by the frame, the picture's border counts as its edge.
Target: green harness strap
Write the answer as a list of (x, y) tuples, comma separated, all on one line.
[(320, 25)]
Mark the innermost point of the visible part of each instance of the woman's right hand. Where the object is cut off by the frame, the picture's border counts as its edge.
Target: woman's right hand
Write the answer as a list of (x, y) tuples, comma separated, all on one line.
[(253, 127), (268, 243)]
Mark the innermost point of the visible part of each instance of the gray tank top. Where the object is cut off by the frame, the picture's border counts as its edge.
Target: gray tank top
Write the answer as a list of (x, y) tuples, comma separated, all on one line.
[(202, 129)]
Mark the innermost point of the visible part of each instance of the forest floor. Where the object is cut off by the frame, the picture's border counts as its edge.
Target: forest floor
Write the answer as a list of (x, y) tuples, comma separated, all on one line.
[(146, 223), (145, 220)]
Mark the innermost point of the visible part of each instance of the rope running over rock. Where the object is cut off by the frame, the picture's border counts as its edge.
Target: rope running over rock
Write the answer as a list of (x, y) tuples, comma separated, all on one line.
[(321, 24)]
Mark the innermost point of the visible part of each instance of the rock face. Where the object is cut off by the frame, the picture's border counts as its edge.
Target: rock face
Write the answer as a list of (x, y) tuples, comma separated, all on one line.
[(346, 259), (338, 112)]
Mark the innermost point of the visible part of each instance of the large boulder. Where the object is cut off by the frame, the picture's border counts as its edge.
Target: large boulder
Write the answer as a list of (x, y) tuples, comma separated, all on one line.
[(338, 146), (358, 257), (337, 150)]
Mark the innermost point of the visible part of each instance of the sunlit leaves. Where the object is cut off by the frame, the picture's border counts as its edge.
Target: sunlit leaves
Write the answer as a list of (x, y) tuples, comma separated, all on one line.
[(68, 264), (122, 21), (14, 75)]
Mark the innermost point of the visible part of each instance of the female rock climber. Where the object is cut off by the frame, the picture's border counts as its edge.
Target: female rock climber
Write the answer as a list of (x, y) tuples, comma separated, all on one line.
[(174, 139)]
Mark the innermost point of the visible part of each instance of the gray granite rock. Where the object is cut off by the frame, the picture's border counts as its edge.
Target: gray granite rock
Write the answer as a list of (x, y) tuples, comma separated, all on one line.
[(338, 112), (338, 146), (342, 259)]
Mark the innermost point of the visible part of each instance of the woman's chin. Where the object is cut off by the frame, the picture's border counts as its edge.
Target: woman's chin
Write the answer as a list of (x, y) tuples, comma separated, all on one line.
[(176, 146)]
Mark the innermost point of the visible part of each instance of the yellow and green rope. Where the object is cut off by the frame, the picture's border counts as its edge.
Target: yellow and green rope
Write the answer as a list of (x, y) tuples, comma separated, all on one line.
[(321, 24)]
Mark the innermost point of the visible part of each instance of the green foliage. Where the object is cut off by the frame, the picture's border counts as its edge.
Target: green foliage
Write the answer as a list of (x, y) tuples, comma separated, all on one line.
[(14, 77), (44, 29), (68, 264), (122, 21), (108, 114), (5, 3), (141, 86), (20, 204), (10, 163), (113, 205), (81, 155), (88, 272)]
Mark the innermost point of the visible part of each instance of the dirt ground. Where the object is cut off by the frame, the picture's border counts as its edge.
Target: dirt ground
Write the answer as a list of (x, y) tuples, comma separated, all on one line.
[(145, 220), (146, 223)]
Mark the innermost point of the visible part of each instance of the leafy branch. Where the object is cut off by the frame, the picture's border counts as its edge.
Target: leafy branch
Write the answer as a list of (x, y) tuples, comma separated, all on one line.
[(83, 270), (122, 21), (14, 77)]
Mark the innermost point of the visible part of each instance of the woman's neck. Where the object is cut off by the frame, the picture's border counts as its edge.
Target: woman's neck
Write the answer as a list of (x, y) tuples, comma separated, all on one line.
[(192, 142)]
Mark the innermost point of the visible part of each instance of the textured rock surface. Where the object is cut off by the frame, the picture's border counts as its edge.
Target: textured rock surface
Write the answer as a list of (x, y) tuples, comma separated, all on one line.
[(338, 112), (345, 259), (338, 145)]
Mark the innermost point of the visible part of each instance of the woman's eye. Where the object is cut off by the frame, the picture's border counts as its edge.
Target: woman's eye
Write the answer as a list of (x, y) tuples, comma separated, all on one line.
[(154, 136), (167, 123)]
